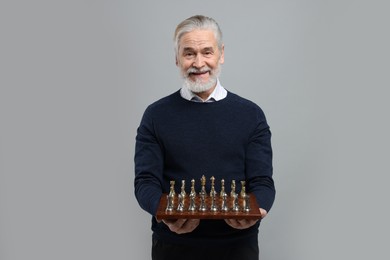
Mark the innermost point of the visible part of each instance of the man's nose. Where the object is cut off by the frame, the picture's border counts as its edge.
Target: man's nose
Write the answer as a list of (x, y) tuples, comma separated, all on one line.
[(198, 62)]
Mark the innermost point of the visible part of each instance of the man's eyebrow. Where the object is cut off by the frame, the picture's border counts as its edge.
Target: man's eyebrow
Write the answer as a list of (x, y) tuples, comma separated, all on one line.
[(190, 49), (186, 49), (208, 49)]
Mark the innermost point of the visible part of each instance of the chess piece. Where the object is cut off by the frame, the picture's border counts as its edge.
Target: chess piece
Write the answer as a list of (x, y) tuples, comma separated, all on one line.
[(202, 206), (169, 203), (180, 206), (172, 189), (222, 188), (213, 206), (183, 191), (224, 207), (233, 189), (246, 202), (235, 207), (243, 191), (203, 186), (212, 191), (171, 197), (193, 192), (213, 196), (223, 196), (192, 206), (203, 194)]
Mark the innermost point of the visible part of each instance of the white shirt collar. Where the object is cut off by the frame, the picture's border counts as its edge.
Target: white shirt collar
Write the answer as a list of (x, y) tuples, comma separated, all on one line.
[(219, 93)]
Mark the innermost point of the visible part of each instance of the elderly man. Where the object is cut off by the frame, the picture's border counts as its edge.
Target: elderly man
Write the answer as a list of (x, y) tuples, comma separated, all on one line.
[(203, 129)]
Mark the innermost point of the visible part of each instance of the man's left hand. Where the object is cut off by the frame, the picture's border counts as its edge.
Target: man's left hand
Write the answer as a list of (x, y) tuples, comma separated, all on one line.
[(244, 223)]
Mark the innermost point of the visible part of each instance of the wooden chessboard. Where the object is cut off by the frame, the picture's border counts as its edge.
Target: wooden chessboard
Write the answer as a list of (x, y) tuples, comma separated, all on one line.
[(162, 213)]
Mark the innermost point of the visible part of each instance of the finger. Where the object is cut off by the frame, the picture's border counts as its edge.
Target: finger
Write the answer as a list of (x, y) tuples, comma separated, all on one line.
[(188, 226), (240, 223), (232, 222), (263, 213), (169, 221), (180, 222), (175, 225), (245, 223), (192, 224)]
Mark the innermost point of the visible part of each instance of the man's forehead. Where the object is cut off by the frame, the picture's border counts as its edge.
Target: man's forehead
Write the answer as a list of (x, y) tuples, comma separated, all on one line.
[(198, 38)]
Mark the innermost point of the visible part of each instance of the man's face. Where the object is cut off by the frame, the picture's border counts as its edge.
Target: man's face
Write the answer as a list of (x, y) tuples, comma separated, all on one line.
[(199, 59)]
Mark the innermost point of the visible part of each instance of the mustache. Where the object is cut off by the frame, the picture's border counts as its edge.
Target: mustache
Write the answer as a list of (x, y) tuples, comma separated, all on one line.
[(195, 70)]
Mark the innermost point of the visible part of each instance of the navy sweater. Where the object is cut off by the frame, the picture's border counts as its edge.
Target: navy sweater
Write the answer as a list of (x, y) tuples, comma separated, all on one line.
[(183, 140)]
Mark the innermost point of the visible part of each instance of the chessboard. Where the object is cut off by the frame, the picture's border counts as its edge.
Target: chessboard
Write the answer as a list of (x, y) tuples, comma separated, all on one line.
[(208, 204), (253, 213)]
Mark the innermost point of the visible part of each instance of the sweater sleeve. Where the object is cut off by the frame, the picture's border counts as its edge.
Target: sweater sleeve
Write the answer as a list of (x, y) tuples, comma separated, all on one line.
[(148, 163), (258, 163)]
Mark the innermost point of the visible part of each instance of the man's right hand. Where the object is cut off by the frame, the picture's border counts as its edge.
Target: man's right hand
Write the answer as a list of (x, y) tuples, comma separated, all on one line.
[(181, 226)]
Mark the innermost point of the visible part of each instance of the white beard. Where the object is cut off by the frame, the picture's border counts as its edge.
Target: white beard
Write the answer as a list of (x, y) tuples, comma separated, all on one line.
[(197, 86)]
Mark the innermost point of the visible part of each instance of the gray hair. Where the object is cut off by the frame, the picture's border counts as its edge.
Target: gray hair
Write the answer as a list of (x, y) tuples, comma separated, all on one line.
[(197, 22)]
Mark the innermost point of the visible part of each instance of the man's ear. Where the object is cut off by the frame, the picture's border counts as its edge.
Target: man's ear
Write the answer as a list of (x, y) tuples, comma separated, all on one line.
[(222, 57)]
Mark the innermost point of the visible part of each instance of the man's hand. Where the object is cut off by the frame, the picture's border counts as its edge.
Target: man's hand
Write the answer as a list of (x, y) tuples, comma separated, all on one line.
[(245, 223), (241, 223), (181, 226)]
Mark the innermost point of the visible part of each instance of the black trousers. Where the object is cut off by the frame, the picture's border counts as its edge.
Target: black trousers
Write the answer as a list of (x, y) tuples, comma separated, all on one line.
[(166, 251)]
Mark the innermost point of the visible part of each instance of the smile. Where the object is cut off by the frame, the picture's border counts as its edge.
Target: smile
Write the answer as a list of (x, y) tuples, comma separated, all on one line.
[(200, 73)]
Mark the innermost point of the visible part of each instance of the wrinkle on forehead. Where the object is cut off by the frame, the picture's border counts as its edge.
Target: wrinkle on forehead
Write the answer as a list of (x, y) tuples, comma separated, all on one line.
[(198, 39)]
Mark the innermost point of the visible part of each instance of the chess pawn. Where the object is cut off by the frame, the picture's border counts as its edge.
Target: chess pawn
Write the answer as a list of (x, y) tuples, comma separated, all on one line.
[(193, 192), (233, 189), (213, 206), (203, 194), (203, 186), (183, 191), (171, 197), (192, 206), (172, 189), (243, 191), (224, 206), (213, 195), (236, 206), (169, 207), (180, 206), (223, 196), (222, 188), (246, 202), (202, 206)]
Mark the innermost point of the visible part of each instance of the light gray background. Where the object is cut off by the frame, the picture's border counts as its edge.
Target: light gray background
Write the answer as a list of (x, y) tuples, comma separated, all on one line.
[(76, 77)]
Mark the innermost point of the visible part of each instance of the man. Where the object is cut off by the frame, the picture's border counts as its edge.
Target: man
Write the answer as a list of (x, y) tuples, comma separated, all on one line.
[(203, 129)]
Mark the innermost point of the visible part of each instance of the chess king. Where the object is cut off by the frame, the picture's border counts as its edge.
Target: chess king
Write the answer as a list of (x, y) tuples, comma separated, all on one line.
[(203, 128)]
